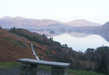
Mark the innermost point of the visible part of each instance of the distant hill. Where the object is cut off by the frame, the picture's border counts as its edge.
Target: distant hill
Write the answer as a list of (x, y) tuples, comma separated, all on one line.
[(48, 27), (82, 23), (106, 25), (52, 27), (104, 31), (20, 22)]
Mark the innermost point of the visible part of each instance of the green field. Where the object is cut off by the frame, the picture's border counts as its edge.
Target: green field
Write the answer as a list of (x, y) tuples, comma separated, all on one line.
[(8, 64), (83, 72)]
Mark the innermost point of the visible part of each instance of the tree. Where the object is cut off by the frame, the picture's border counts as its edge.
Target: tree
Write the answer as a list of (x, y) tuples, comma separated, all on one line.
[(90, 54), (102, 54)]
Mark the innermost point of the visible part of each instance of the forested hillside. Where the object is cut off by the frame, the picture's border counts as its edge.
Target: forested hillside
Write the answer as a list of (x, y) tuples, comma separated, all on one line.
[(15, 44)]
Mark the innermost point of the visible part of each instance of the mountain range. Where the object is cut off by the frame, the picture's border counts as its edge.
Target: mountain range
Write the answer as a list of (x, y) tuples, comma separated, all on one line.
[(52, 27), (82, 23)]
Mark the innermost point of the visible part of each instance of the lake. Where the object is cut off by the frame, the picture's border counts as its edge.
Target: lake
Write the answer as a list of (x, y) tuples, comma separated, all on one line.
[(81, 43)]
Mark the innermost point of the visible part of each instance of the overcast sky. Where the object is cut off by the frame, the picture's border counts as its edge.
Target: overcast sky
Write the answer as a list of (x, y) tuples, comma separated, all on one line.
[(61, 10)]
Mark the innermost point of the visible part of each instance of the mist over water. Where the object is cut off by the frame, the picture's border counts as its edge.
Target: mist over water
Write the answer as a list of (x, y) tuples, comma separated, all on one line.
[(81, 43)]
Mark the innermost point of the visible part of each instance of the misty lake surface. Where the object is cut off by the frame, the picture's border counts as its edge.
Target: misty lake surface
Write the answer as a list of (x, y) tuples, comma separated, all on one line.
[(81, 43)]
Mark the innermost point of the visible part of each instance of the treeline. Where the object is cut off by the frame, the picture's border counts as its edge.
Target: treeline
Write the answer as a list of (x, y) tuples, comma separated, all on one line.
[(92, 59)]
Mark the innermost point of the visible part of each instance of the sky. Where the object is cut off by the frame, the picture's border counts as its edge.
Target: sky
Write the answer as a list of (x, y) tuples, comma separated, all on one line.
[(60, 10)]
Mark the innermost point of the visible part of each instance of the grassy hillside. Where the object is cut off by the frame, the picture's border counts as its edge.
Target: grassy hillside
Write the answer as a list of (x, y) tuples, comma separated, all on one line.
[(15, 44), (13, 47)]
